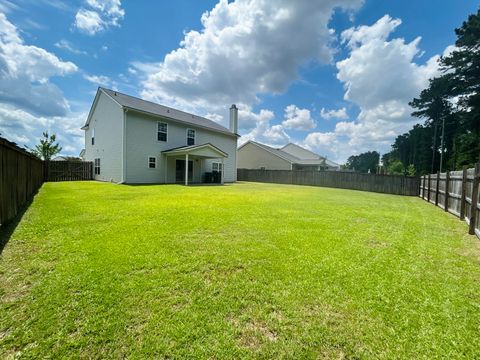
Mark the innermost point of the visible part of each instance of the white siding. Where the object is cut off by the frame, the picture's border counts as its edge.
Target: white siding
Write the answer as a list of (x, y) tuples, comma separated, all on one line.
[(141, 142), (251, 156), (107, 120)]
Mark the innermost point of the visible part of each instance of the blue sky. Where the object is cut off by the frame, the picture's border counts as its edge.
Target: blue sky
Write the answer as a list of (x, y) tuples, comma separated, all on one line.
[(335, 76)]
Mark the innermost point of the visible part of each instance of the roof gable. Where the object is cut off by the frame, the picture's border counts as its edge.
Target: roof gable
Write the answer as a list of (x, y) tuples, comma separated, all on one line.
[(300, 152), (291, 158), (206, 150), (283, 155), (94, 106), (137, 104)]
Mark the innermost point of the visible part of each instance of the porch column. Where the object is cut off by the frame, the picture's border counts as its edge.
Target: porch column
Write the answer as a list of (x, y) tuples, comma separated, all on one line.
[(223, 171), (186, 169)]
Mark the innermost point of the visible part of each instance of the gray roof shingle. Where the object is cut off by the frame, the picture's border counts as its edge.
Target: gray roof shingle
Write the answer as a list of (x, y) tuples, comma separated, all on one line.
[(295, 160), (135, 103)]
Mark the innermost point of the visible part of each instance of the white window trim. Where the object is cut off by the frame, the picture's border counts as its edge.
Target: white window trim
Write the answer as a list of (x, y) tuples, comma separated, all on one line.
[(95, 166), (92, 138), (219, 166), (166, 133), (194, 137), (148, 162)]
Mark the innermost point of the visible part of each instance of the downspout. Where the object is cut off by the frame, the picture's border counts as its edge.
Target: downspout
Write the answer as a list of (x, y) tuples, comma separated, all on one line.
[(124, 150)]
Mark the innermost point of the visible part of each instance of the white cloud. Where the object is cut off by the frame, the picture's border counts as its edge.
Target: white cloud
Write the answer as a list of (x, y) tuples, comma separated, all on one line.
[(240, 52), (25, 72), (29, 102), (98, 16), (381, 77), (334, 114), (7, 6), (272, 135), (248, 119), (298, 119), (66, 45), (101, 80), (260, 127), (326, 143), (88, 21), (25, 128)]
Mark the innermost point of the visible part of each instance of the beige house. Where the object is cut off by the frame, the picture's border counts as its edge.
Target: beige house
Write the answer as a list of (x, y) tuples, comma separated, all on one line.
[(131, 140), (253, 155)]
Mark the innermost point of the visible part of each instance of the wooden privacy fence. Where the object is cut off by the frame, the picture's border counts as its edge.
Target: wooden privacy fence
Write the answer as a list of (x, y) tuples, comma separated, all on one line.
[(21, 175), (68, 170), (456, 192), (389, 184)]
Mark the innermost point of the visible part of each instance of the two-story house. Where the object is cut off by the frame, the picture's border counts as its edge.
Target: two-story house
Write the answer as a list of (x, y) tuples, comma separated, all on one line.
[(131, 140)]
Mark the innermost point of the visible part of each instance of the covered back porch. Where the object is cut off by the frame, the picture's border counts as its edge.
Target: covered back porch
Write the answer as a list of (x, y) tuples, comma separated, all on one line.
[(189, 164)]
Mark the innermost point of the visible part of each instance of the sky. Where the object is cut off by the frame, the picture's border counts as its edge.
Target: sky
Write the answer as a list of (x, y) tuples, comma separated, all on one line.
[(334, 76)]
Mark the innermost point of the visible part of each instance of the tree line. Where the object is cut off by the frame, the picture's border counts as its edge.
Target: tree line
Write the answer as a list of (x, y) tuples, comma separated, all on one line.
[(449, 137)]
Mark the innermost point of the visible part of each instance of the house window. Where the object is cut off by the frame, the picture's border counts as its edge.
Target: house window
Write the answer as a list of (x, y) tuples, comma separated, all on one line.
[(93, 136), (162, 129), (97, 166), (190, 137), (152, 162), (216, 166)]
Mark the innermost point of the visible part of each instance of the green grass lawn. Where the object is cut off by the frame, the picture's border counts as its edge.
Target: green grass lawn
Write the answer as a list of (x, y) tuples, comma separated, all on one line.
[(249, 270)]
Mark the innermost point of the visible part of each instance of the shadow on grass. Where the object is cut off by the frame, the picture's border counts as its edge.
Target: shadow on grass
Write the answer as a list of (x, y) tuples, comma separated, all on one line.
[(7, 230)]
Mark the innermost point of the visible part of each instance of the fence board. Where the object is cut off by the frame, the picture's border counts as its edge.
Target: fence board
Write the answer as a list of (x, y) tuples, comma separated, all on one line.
[(68, 170), (399, 185), (456, 192), (21, 175)]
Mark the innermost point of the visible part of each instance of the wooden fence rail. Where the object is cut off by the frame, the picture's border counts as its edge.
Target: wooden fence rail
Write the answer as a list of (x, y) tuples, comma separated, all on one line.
[(400, 185), (21, 175), (456, 192)]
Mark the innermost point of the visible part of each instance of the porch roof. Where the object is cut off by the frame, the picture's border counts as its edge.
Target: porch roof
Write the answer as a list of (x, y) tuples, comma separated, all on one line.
[(204, 150)]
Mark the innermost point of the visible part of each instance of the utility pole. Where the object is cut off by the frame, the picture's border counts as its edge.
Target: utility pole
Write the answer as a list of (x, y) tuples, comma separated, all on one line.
[(434, 145), (441, 143)]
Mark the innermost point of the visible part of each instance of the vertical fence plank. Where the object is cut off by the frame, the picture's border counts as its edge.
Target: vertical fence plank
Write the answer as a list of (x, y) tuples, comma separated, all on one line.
[(68, 170), (473, 205), (447, 189), (429, 187), (21, 175), (391, 184), (463, 199), (437, 188)]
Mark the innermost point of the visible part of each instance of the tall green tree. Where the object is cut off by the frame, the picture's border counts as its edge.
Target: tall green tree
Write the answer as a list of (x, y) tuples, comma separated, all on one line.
[(435, 106), (450, 106), (47, 148), (365, 162)]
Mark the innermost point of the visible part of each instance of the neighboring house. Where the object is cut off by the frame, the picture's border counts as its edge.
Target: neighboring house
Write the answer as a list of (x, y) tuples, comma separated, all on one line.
[(67, 158), (131, 140), (253, 155)]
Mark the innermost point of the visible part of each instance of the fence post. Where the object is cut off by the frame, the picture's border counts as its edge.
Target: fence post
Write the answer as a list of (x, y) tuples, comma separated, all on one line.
[(473, 205), (447, 185), (429, 184), (422, 185), (437, 188), (463, 200)]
